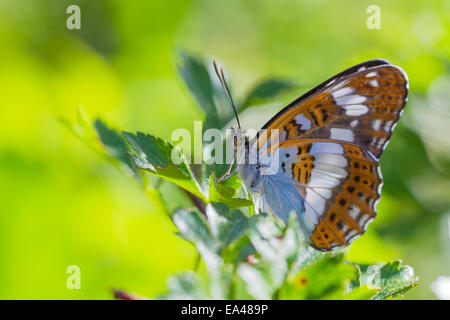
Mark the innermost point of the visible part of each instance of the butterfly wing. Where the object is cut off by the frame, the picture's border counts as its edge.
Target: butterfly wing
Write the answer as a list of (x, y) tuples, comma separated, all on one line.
[(360, 105), (329, 144), (338, 186)]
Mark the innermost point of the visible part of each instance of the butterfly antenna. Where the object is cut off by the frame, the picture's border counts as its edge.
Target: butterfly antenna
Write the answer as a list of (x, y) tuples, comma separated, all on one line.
[(224, 84)]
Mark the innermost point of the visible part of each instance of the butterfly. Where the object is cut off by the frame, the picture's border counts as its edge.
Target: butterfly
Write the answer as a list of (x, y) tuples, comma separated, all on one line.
[(328, 145)]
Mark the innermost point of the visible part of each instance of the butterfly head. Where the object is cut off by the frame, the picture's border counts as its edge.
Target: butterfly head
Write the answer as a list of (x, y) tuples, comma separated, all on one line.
[(239, 138)]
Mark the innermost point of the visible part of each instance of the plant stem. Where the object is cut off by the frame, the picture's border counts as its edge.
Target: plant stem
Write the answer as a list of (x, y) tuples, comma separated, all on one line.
[(123, 295), (197, 202)]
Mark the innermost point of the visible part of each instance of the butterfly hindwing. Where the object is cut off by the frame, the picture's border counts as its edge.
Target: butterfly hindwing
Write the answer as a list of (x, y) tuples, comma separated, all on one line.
[(360, 105), (339, 184)]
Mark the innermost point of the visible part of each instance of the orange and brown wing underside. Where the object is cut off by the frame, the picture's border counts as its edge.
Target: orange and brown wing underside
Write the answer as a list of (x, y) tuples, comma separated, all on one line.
[(353, 207), (360, 108), (340, 185)]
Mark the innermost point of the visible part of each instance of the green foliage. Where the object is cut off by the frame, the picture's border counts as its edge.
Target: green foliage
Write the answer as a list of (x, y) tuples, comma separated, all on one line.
[(245, 256), (185, 286), (155, 155), (316, 282), (224, 192), (390, 279), (194, 72), (115, 144), (196, 76), (280, 266), (266, 91)]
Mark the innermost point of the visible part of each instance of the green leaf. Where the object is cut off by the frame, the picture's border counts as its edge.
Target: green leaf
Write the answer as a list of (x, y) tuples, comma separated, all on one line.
[(155, 155), (226, 225), (257, 280), (112, 148), (197, 79), (275, 244), (391, 278), (185, 286), (231, 228), (284, 267), (360, 293), (238, 250), (114, 143), (325, 279), (84, 131), (223, 192), (307, 255), (277, 249), (266, 91), (194, 227)]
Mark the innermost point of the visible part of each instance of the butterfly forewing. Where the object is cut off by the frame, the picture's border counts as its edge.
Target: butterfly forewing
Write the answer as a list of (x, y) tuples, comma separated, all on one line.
[(360, 107)]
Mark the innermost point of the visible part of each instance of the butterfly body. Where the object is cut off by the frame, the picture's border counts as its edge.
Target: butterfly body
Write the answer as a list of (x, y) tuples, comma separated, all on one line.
[(326, 150)]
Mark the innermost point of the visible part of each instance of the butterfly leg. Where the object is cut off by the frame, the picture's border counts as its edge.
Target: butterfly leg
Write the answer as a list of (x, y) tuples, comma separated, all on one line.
[(228, 173), (264, 203), (259, 202)]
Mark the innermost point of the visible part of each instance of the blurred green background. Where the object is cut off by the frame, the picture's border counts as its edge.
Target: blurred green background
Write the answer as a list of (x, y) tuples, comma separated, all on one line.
[(61, 204)]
